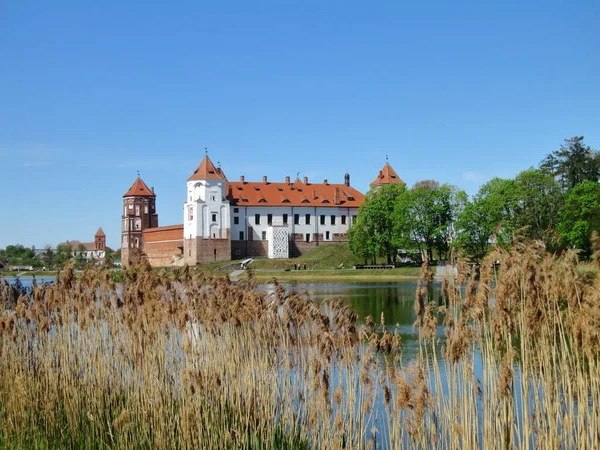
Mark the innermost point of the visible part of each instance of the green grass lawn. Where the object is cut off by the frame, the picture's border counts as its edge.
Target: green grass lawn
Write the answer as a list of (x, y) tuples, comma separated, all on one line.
[(330, 274), (325, 256), (28, 274), (321, 262)]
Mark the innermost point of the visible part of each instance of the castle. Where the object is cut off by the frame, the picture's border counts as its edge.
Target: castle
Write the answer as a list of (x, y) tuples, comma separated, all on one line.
[(224, 220)]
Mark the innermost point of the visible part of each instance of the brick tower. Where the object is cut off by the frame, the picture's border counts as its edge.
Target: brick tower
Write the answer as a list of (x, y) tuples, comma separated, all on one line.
[(100, 240), (139, 213)]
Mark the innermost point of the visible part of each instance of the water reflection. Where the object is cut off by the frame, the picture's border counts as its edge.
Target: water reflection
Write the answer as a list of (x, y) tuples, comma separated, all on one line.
[(394, 299)]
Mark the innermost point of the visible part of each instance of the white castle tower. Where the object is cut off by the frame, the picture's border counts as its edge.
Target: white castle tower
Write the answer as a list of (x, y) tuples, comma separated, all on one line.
[(206, 221)]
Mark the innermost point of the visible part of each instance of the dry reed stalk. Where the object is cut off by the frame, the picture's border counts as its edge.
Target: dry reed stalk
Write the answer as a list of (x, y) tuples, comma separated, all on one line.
[(192, 361)]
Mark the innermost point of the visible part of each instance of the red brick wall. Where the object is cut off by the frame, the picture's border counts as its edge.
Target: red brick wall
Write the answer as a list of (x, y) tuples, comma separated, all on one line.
[(162, 243), (161, 253), (200, 251), (258, 248), (239, 249), (210, 250)]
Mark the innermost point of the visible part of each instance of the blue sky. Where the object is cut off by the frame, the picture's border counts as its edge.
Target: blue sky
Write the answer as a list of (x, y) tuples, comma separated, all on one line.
[(460, 92)]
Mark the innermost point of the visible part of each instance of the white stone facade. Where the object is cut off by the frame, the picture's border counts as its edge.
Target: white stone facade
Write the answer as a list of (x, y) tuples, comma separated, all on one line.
[(308, 221), (206, 211)]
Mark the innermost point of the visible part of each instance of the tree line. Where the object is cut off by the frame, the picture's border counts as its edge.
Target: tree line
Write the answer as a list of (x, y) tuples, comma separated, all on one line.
[(557, 202), (19, 255)]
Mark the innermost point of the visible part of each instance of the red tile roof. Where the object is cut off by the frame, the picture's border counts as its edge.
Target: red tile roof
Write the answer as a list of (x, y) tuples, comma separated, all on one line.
[(139, 189), (87, 245), (293, 194), (207, 171), (167, 233), (100, 232), (387, 175)]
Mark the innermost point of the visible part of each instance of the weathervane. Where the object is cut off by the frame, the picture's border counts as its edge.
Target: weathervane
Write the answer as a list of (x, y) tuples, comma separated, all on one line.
[(206, 151), (386, 158), (138, 172)]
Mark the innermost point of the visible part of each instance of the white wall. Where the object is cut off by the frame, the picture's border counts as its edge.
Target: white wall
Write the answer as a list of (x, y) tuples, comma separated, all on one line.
[(246, 219), (205, 198)]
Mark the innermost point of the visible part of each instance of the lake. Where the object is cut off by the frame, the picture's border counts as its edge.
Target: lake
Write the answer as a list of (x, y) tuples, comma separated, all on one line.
[(394, 299)]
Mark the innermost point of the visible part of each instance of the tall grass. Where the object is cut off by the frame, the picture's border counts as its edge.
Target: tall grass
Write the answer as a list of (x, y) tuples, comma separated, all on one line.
[(189, 361)]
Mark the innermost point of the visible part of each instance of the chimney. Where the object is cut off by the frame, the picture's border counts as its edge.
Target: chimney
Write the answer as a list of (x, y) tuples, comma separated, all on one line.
[(265, 179), (287, 180), (152, 189), (242, 180), (305, 180), (325, 181), (336, 196), (314, 194), (347, 179)]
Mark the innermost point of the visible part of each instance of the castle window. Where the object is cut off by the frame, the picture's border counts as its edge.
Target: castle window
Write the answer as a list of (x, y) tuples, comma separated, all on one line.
[(146, 209), (285, 219), (257, 219), (264, 235), (269, 219), (307, 219), (296, 219), (137, 210), (307, 237), (190, 213), (332, 220), (322, 220), (343, 220), (327, 235), (236, 220), (236, 210), (241, 235), (214, 217), (213, 198)]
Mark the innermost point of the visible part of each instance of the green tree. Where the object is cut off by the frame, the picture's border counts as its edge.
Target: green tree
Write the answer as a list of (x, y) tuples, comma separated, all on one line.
[(48, 256), (486, 218), (360, 239), (538, 200), (375, 230), (425, 216), (580, 216), (573, 163), (63, 253)]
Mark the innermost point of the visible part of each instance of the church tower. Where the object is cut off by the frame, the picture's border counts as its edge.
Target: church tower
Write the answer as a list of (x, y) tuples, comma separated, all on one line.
[(100, 240), (139, 213), (206, 221)]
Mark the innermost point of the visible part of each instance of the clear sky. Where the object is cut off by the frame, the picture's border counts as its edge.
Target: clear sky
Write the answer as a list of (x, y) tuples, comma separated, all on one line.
[(460, 92)]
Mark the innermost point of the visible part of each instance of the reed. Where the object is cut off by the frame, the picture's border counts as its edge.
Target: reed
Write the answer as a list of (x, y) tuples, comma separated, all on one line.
[(187, 360)]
